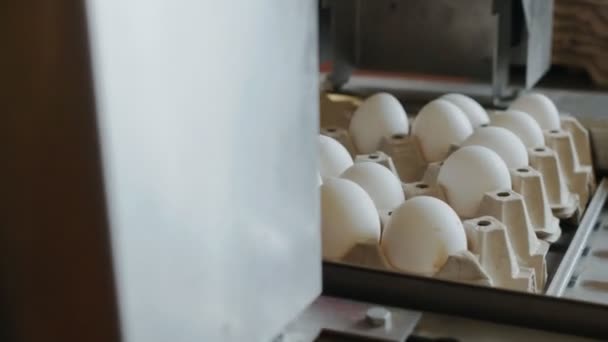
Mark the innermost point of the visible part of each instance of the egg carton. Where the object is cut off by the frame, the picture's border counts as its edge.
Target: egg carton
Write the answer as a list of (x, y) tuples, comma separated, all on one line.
[(490, 260), (337, 109), (487, 238), (526, 181), (572, 147), (529, 183), (380, 158), (407, 156), (509, 258), (523, 209), (343, 137), (565, 162), (510, 236), (518, 243), (461, 267), (563, 202), (568, 182), (404, 151)]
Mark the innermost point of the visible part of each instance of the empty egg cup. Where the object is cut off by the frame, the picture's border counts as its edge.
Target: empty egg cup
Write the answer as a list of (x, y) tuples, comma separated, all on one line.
[(337, 109)]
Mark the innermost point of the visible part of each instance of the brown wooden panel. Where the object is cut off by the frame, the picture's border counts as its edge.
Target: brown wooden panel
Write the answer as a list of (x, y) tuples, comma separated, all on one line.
[(580, 37), (57, 282)]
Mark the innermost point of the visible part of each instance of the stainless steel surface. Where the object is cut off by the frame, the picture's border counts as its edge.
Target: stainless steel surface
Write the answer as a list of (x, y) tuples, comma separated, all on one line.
[(213, 238), (589, 281), (467, 330), (539, 31), (440, 37), (467, 40), (342, 41), (579, 242), (516, 308), (588, 106), (501, 60), (349, 318)]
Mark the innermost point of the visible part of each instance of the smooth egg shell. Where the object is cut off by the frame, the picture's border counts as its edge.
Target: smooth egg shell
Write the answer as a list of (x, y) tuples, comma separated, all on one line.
[(470, 172), (333, 157), (438, 125), (348, 217), (471, 108), (540, 107), (522, 124), (502, 141), (380, 116), (380, 183), (421, 234)]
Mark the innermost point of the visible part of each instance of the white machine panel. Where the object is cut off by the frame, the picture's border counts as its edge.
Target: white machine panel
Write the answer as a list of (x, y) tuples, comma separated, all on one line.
[(208, 119)]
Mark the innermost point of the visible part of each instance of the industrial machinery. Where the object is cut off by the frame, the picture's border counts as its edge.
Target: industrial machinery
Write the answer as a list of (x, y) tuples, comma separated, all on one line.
[(162, 179)]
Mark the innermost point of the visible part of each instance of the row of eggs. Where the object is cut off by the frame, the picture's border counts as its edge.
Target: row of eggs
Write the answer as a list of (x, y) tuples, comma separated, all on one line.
[(423, 231), (449, 120)]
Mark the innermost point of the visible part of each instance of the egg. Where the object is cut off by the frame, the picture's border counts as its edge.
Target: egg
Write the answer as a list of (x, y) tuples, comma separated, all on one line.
[(471, 108), (333, 157), (438, 125), (380, 183), (502, 141), (467, 174), (348, 217), (380, 116), (522, 124), (421, 234), (540, 107)]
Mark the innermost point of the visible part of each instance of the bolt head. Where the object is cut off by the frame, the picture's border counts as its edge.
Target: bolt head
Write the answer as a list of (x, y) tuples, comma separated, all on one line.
[(378, 316)]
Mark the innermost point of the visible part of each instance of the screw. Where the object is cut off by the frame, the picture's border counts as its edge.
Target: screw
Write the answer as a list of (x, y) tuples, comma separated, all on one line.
[(377, 316), (572, 281)]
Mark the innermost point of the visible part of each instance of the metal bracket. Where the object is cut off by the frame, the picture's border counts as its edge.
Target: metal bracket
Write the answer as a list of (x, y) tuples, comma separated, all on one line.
[(349, 318)]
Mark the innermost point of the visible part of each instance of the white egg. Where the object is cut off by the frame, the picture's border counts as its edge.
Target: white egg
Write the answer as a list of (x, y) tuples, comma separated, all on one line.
[(471, 108), (348, 217), (438, 125), (540, 107), (522, 124), (379, 116), (421, 234), (333, 157), (380, 183), (468, 173), (502, 141)]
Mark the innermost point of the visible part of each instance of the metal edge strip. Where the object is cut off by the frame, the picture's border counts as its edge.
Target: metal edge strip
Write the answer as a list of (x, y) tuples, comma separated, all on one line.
[(470, 301), (573, 254)]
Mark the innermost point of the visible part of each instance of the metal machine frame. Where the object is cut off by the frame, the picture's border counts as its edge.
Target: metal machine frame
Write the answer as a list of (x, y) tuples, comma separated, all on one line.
[(506, 33)]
